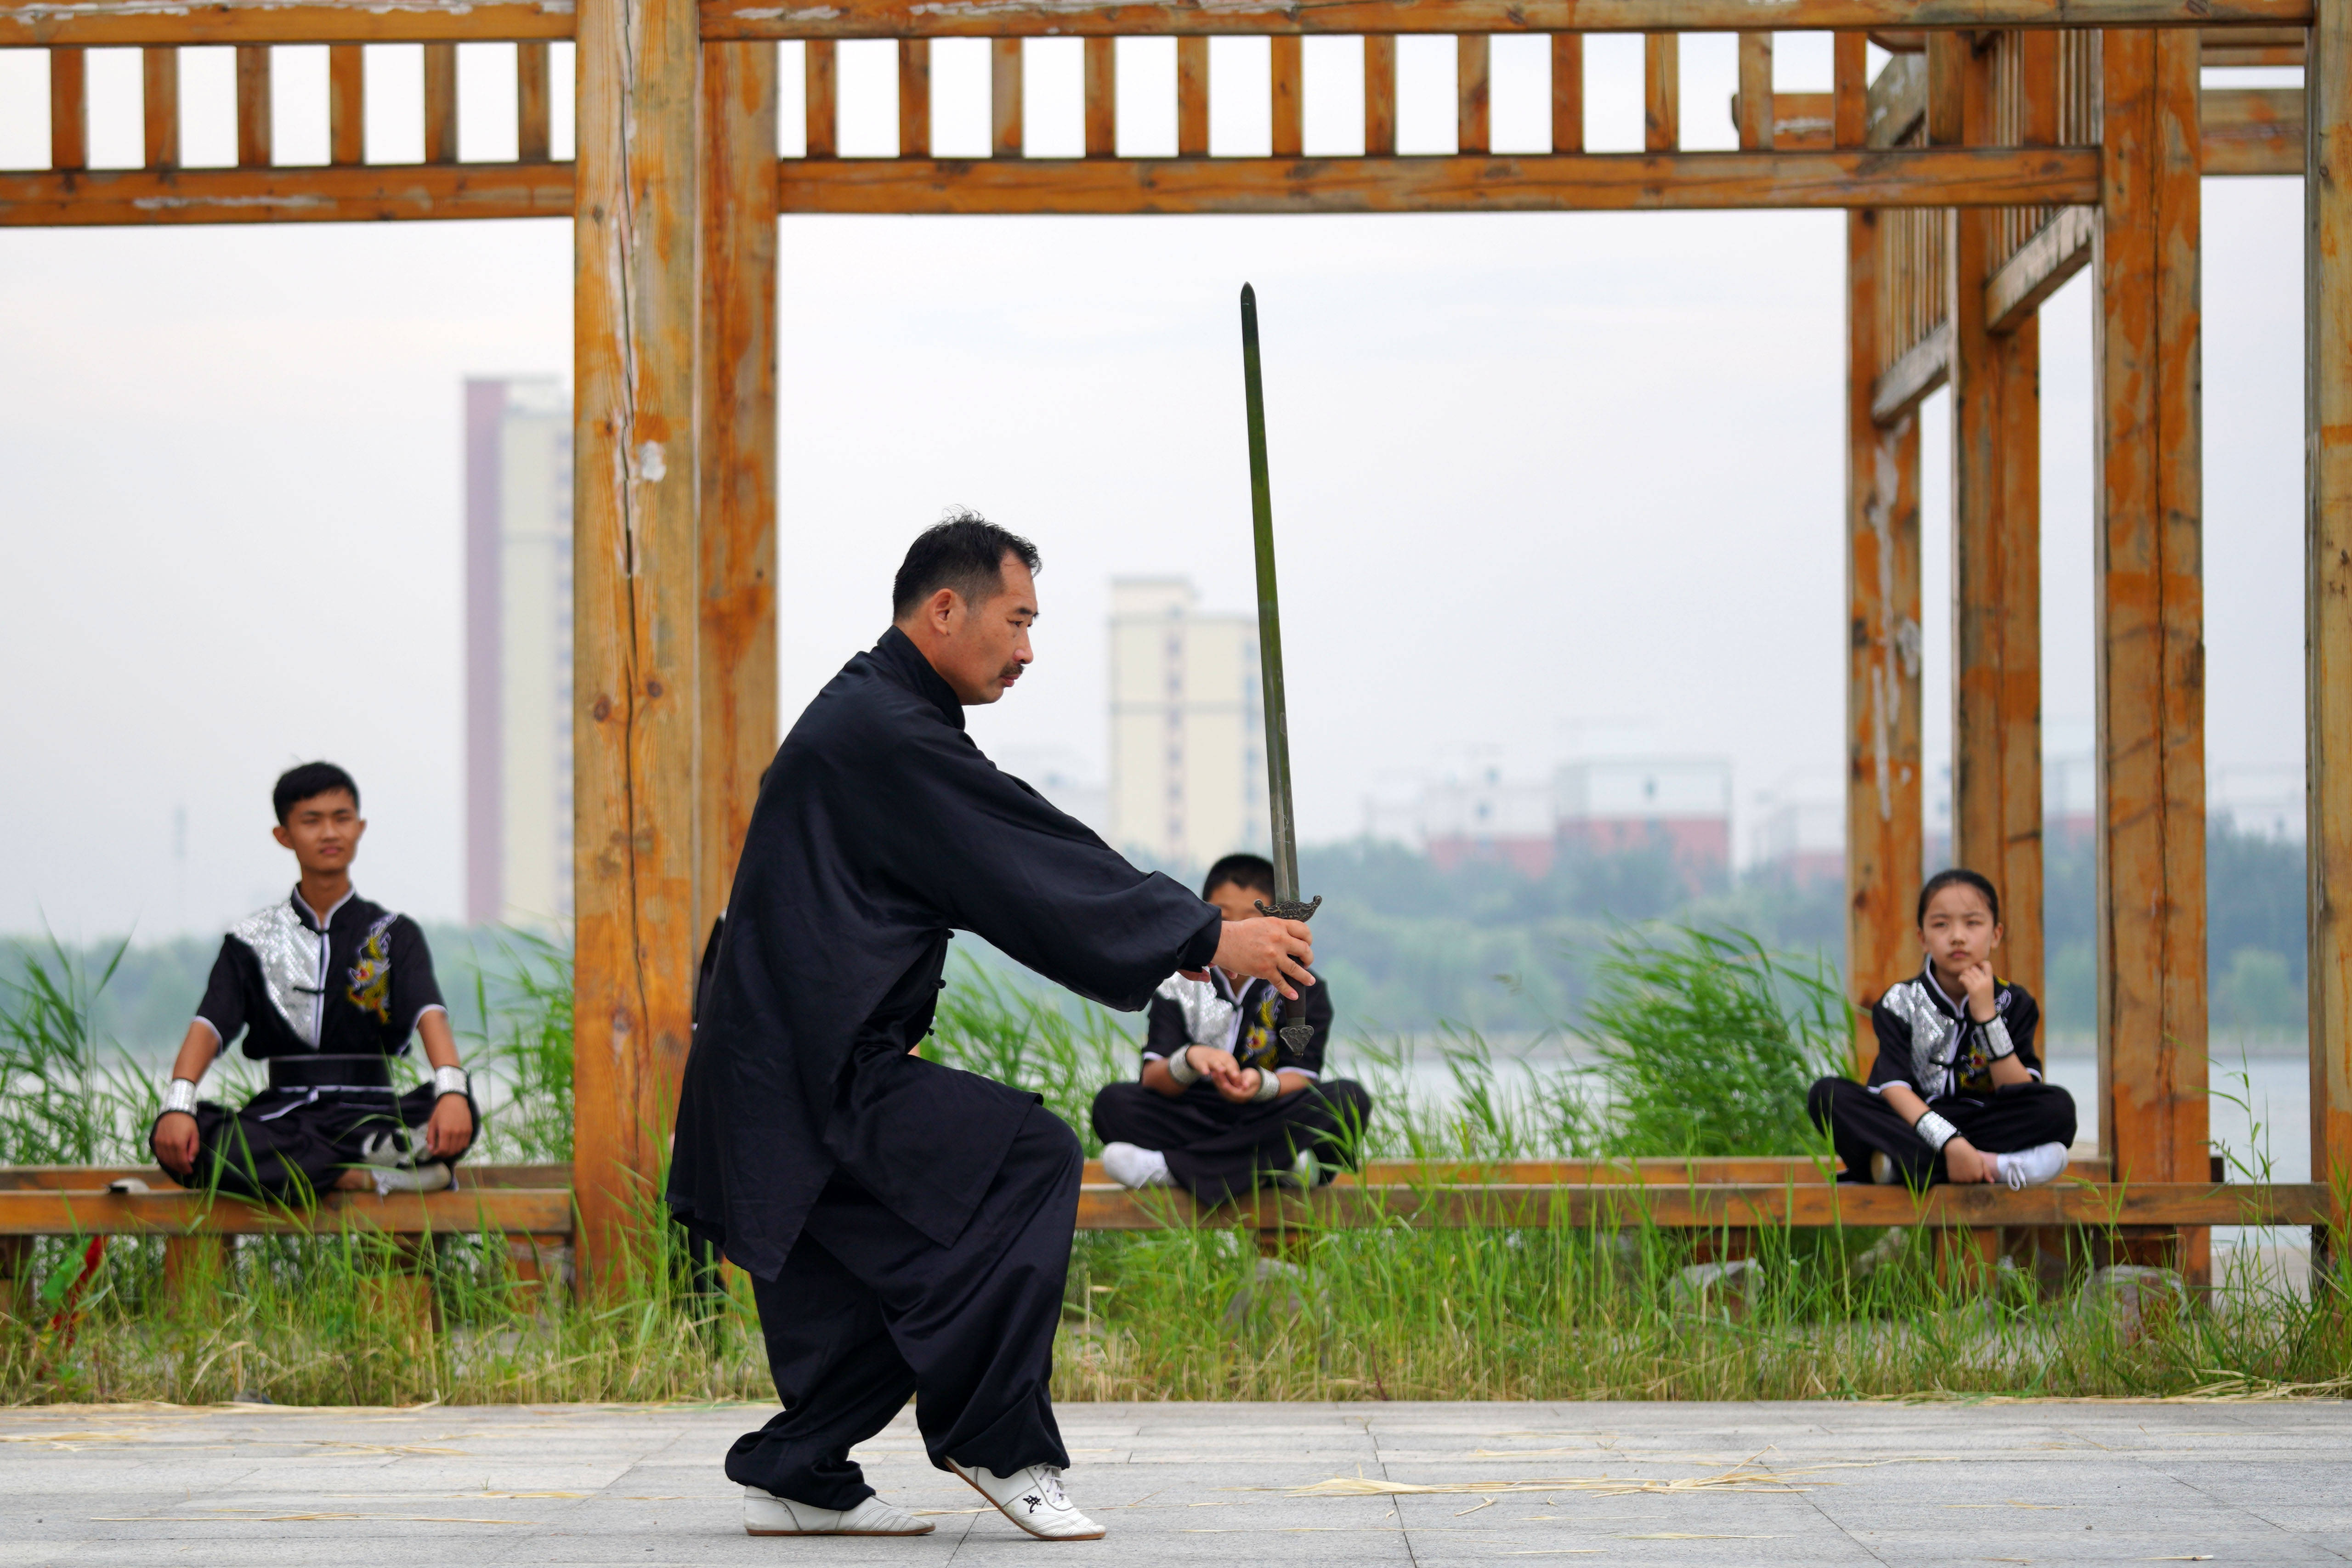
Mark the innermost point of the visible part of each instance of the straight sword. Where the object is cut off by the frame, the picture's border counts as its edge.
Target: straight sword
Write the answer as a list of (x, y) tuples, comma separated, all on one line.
[(1286, 904)]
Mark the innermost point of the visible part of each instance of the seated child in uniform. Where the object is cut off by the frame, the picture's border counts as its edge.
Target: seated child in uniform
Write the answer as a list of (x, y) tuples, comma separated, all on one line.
[(1957, 1092), (326, 987), (1223, 1102)]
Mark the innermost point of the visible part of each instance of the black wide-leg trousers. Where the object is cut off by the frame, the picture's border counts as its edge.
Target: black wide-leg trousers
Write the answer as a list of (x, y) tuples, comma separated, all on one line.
[(1217, 1149), (2016, 1116), (867, 1310)]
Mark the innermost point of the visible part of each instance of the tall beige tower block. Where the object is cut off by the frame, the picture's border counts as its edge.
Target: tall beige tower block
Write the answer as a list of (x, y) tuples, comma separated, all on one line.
[(1187, 738)]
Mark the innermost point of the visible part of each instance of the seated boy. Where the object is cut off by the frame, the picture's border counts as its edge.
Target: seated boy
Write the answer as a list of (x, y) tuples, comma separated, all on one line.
[(1223, 1102), (326, 987), (1957, 1092)]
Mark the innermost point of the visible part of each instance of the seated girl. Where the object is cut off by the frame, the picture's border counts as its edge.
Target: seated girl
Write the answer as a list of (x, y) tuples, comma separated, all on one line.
[(1957, 1092)]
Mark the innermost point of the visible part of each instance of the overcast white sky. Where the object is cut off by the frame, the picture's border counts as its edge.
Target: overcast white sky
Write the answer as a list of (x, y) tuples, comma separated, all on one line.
[(1541, 482)]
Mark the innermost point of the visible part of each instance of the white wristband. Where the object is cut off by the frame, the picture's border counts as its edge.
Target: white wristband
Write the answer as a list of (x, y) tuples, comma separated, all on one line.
[(451, 1080), (181, 1097), (1996, 1040), (1934, 1130), (1181, 1068), (1269, 1083)]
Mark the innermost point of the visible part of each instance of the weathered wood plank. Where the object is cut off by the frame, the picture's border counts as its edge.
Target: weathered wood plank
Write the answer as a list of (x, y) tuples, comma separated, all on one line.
[(820, 104), (1599, 182), (1192, 97), (114, 23), (2150, 721), (1754, 110), (1379, 95), (1899, 389), (736, 665), (1039, 18), (534, 134), (1474, 120), (635, 618), (69, 109), (94, 1178), (1882, 819), (1004, 98), (1286, 75), (1101, 98), (48, 1212), (2055, 252), (159, 106), (2327, 597), (1662, 92), (253, 107), (440, 103), (1566, 93), (915, 97), (1849, 90), (347, 104), (2251, 47), (369, 194), (2252, 130), (1996, 413)]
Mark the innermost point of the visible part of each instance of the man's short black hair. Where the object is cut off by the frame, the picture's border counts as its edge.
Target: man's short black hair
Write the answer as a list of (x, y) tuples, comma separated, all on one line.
[(1959, 877), (1252, 874), (962, 550), (296, 785)]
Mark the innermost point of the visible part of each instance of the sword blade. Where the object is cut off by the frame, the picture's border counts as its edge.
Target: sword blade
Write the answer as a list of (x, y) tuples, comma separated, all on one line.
[(1269, 621)]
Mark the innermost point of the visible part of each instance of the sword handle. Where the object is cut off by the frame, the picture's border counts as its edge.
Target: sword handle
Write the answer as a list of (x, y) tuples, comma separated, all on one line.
[(1295, 1031)]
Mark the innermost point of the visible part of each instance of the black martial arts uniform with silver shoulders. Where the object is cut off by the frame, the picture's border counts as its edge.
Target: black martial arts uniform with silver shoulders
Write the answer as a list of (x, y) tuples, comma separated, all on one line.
[(1928, 1042), (327, 1006), (1218, 1148), (906, 1226)]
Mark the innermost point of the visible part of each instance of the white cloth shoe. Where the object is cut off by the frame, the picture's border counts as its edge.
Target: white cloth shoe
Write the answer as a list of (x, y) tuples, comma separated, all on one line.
[(1131, 1167), (1032, 1497), (765, 1513), (1881, 1169), (2034, 1166)]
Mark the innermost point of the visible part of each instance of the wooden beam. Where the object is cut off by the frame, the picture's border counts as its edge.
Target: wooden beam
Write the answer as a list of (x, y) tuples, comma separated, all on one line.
[(821, 107), (1662, 92), (1473, 120), (1566, 93), (1286, 72), (1883, 820), (1948, 55), (1005, 96), (1753, 110), (2328, 607), (48, 1212), (2150, 722), (1594, 182), (1996, 413), (1849, 89), (369, 194), (2052, 253), (1380, 95), (1897, 101), (347, 104), (2251, 47), (2251, 129), (915, 97), (1102, 98), (114, 23), (69, 109), (636, 616), (736, 662), (440, 103), (159, 106), (253, 107), (534, 134), (1905, 384), (1093, 18), (1193, 97)]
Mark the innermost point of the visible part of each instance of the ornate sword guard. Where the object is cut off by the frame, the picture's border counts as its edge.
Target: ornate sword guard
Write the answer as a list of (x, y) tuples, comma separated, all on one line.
[(1290, 910), (1295, 1031)]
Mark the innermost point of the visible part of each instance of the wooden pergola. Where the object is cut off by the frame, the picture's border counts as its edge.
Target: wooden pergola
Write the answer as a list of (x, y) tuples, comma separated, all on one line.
[(2009, 144)]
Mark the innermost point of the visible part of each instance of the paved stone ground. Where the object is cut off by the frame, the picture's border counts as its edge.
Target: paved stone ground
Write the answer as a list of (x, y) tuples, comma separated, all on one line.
[(129, 1486)]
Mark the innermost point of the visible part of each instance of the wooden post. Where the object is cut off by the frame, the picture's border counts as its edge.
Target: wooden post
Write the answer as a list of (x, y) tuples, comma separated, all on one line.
[(253, 120), (1882, 683), (1662, 92), (2149, 599), (1004, 96), (159, 106), (534, 138), (737, 663), (1288, 68), (1567, 92), (1756, 92), (440, 103), (1192, 97), (347, 102), (1102, 98), (822, 111), (1996, 406), (1473, 114), (68, 109), (1849, 89), (1380, 95), (636, 622), (915, 97), (2327, 597)]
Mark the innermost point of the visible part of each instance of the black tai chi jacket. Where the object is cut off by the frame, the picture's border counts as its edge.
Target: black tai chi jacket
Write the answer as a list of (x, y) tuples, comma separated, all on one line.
[(879, 829)]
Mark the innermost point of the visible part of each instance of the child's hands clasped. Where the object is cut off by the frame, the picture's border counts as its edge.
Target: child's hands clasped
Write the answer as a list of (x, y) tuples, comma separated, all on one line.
[(1223, 1069)]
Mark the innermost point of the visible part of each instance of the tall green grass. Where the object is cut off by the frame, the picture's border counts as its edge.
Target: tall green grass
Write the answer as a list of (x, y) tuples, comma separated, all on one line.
[(1683, 1022)]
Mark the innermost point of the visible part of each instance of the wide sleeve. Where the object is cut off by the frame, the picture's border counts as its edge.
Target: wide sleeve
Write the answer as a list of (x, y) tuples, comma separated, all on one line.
[(222, 1010), (1893, 1063), (415, 991)]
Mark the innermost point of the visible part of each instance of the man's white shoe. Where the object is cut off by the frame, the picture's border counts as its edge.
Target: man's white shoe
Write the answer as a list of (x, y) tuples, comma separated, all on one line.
[(2031, 1167), (1135, 1168), (765, 1513), (1032, 1497)]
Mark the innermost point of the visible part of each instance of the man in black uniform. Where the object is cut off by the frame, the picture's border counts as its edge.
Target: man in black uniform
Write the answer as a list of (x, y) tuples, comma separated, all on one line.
[(326, 987), (1223, 1102), (906, 1226)]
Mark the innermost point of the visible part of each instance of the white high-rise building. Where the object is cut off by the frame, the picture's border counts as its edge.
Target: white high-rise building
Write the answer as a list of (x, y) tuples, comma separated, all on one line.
[(1187, 735), (518, 651)]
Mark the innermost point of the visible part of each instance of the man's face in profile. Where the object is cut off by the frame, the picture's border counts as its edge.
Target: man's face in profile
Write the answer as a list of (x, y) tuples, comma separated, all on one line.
[(986, 646)]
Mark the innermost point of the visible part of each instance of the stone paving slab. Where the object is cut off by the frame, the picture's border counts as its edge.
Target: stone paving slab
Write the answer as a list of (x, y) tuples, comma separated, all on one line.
[(1790, 1485)]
